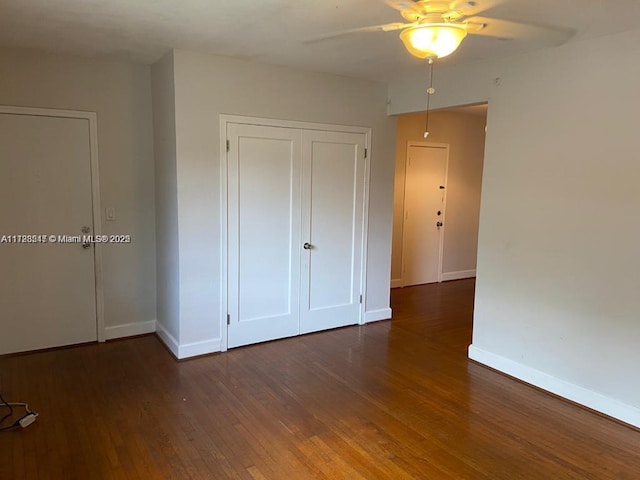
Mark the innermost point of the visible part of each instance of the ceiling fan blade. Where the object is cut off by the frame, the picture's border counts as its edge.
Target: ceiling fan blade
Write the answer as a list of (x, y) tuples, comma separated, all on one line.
[(387, 27), (468, 8), (508, 30)]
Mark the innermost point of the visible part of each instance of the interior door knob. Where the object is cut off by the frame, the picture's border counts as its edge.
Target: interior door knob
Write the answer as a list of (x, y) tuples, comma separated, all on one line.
[(307, 246), (439, 224)]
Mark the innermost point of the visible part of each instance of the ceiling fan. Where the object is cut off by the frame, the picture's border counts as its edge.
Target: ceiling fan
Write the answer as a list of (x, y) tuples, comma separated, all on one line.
[(436, 28)]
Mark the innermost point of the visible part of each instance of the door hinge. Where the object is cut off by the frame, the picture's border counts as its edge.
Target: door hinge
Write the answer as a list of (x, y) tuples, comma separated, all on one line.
[(228, 147), (228, 319), (360, 298), (366, 151)]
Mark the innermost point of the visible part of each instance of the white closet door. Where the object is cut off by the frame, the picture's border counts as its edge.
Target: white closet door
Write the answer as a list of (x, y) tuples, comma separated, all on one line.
[(264, 233), (47, 290), (333, 207)]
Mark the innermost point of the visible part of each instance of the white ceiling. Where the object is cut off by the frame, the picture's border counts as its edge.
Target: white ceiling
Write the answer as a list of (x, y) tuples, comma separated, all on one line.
[(273, 31)]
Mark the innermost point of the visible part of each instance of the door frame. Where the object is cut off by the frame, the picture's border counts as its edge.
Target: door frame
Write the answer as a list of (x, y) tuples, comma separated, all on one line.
[(224, 120), (446, 147), (92, 118)]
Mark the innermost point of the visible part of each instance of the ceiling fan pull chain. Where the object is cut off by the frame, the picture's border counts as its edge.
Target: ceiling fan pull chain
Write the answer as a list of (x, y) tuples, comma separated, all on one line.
[(430, 91)]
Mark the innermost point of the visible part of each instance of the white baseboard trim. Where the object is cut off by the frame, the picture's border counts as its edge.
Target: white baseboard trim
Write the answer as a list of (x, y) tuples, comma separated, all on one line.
[(377, 315), (593, 400), (397, 283), (199, 348), (448, 276), (168, 339), (188, 349), (130, 329)]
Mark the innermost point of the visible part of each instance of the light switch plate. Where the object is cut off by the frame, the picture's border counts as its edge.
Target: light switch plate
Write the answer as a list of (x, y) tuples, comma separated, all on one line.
[(110, 213)]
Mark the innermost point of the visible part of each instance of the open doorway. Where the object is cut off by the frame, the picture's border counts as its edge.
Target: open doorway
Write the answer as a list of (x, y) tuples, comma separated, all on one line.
[(435, 233)]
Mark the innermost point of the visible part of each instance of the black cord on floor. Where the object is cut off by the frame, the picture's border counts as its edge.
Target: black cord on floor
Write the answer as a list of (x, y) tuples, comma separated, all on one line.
[(3, 403)]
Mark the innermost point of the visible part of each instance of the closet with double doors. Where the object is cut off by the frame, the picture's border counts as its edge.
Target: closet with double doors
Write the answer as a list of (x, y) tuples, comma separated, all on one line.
[(295, 228)]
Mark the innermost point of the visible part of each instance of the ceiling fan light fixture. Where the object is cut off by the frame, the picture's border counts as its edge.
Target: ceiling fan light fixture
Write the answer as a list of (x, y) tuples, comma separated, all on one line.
[(433, 40)]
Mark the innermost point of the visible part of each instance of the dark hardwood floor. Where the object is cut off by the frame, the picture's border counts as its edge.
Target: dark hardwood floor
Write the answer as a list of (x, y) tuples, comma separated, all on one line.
[(390, 400)]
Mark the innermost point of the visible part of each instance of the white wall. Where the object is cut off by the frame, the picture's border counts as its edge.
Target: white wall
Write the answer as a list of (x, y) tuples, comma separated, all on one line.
[(557, 290), (207, 86), (120, 95), (455, 85), (167, 247), (465, 135)]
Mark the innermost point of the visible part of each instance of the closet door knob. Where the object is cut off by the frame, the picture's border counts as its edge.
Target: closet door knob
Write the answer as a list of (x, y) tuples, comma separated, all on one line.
[(307, 246)]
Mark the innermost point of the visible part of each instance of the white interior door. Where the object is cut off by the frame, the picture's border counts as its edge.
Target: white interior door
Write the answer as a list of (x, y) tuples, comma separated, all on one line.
[(423, 212), (333, 206), (264, 233), (47, 290)]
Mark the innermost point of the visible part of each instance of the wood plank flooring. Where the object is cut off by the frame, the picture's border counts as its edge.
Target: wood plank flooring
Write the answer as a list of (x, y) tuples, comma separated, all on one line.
[(390, 400)]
